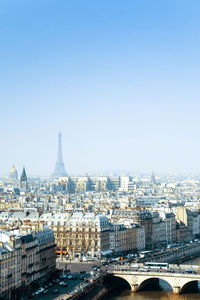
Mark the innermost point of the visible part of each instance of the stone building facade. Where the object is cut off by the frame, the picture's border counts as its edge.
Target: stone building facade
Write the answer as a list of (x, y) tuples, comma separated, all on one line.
[(10, 263), (25, 257), (80, 235)]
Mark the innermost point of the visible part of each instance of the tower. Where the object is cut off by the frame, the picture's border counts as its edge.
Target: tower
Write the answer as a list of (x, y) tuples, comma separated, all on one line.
[(59, 170), (153, 178), (23, 180)]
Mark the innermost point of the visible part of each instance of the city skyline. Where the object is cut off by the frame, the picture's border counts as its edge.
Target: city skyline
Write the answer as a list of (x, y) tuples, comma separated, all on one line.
[(120, 81), (99, 156)]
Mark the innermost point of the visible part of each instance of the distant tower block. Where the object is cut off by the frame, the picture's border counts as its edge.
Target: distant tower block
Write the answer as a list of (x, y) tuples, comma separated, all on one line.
[(23, 181), (60, 167), (153, 178), (13, 175)]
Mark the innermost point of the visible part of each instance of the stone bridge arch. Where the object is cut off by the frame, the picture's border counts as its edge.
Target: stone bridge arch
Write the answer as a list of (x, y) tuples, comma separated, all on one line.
[(137, 282), (178, 283), (116, 281), (189, 286), (152, 283)]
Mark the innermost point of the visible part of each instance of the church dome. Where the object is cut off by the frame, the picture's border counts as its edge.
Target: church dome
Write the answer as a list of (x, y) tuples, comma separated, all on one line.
[(13, 175), (13, 169)]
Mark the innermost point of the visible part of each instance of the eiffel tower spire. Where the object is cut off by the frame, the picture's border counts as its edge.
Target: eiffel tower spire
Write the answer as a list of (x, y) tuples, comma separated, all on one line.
[(59, 158), (59, 170)]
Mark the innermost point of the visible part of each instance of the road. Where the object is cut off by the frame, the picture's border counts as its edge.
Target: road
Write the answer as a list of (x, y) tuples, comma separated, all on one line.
[(77, 266), (61, 290)]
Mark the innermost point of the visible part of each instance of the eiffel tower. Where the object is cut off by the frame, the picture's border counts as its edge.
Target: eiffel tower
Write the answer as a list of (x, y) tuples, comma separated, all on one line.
[(59, 170)]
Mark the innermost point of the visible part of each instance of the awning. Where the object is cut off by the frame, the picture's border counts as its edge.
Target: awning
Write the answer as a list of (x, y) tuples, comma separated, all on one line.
[(106, 252)]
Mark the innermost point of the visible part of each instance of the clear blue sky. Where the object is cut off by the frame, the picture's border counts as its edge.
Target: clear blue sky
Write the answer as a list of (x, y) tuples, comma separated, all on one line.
[(119, 79)]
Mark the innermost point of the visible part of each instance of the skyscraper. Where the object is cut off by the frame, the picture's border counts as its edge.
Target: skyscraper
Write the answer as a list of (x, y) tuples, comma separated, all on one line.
[(59, 170)]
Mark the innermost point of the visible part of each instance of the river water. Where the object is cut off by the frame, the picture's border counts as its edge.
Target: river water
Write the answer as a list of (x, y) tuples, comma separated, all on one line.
[(164, 294)]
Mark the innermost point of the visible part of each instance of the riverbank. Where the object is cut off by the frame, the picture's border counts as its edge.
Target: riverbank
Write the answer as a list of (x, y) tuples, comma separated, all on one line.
[(176, 254), (96, 294), (186, 258)]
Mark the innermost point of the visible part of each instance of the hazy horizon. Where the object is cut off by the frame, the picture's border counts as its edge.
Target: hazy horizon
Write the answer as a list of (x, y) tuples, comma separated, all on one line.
[(120, 80)]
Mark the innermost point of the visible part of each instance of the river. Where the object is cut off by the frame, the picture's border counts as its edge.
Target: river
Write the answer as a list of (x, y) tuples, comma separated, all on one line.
[(164, 294)]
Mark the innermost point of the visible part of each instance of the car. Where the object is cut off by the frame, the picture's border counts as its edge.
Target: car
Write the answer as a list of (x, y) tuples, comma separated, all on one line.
[(82, 272), (69, 277), (110, 261), (39, 291), (45, 292), (61, 282), (190, 271), (82, 277), (63, 276), (64, 284), (55, 291), (67, 272)]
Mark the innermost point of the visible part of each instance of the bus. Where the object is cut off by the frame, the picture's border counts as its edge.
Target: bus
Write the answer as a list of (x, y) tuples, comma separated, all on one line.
[(156, 265)]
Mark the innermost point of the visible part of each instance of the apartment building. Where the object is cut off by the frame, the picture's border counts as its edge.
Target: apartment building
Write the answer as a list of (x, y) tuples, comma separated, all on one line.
[(79, 235), (25, 257), (10, 263)]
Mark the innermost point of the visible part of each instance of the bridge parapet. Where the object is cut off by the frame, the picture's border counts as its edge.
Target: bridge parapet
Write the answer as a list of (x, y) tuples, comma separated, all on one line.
[(171, 266), (184, 267), (136, 279)]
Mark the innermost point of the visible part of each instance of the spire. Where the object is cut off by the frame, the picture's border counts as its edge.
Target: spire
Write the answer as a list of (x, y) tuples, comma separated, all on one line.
[(59, 158), (23, 176), (59, 170), (23, 180)]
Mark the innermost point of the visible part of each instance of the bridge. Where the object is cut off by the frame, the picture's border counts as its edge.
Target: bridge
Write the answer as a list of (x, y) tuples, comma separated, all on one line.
[(176, 277)]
